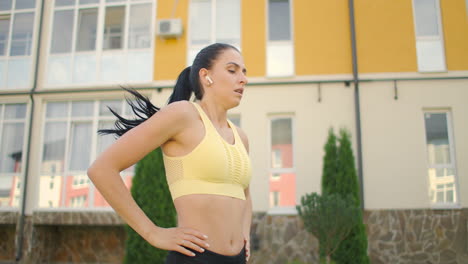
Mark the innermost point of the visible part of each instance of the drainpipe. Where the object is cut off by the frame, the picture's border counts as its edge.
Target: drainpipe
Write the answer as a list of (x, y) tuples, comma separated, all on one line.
[(20, 235), (356, 100)]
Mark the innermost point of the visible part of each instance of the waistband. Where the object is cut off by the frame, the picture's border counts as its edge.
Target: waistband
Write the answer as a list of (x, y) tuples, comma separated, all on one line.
[(207, 257)]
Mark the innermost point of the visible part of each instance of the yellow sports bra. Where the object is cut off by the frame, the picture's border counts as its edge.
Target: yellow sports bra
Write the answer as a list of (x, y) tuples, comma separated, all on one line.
[(213, 167)]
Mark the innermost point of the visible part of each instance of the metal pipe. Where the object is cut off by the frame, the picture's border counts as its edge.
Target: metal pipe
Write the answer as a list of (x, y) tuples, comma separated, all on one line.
[(356, 100), (20, 235)]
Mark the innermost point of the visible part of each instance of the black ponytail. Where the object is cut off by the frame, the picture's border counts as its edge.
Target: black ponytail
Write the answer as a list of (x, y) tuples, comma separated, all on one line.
[(187, 83)]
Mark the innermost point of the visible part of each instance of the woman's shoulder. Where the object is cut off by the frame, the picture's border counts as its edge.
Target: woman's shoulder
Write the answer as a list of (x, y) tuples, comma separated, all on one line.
[(181, 109)]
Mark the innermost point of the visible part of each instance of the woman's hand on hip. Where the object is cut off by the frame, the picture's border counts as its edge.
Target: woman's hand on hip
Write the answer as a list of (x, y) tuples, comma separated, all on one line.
[(179, 239)]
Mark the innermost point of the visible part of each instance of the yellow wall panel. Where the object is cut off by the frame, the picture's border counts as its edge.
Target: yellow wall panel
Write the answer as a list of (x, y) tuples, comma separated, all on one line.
[(322, 37), (455, 28), (170, 54), (385, 34), (253, 38)]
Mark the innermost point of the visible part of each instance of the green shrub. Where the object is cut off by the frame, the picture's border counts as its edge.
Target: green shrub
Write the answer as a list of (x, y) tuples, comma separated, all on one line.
[(150, 191)]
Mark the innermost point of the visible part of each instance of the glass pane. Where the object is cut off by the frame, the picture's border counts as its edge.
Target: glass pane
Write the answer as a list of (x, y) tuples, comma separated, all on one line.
[(6, 186), (438, 146), (140, 66), (426, 18), (15, 111), (235, 120), (50, 189), (59, 70), (4, 31), (21, 40), (115, 105), (282, 189), (140, 26), (64, 2), (80, 148), (281, 143), (62, 32), (58, 109), (228, 21), (11, 149), (87, 27), (104, 141), (280, 59), (23, 4), (431, 55), (200, 22), (77, 192), (54, 147), (82, 109), (279, 27), (3, 74), (19, 73), (84, 2), (114, 27), (84, 70), (5, 5), (112, 67)]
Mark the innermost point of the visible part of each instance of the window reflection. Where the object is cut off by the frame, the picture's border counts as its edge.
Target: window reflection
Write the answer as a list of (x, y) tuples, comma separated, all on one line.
[(282, 175), (69, 142), (441, 171)]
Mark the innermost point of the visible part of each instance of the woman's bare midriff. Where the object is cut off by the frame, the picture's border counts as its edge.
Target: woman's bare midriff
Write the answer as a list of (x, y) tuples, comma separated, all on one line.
[(219, 217)]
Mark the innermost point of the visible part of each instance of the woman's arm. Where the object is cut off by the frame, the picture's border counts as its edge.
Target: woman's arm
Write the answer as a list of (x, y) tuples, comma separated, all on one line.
[(165, 125), (247, 221), (248, 207)]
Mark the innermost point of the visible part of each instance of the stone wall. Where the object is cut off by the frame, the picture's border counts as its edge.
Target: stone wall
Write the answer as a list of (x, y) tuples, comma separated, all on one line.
[(394, 236), (7, 242)]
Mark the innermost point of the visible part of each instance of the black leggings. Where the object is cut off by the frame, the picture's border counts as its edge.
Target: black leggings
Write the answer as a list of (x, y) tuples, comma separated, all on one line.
[(207, 257)]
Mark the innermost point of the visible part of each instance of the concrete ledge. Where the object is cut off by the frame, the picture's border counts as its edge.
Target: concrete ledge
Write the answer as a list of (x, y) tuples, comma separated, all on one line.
[(76, 218), (9, 217)]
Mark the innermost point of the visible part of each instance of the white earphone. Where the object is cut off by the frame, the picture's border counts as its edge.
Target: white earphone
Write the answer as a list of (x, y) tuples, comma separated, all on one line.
[(209, 79)]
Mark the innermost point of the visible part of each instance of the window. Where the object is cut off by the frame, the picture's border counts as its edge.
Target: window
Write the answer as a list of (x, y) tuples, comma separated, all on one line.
[(235, 119), (12, 129), (16, 43), (280, 51), (441, 159), (213, 21), (101, 41), (429, 38), (282, 172), (70, 144)]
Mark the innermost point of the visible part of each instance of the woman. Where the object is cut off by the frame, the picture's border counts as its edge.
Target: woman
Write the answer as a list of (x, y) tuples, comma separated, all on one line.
[(206, 160)]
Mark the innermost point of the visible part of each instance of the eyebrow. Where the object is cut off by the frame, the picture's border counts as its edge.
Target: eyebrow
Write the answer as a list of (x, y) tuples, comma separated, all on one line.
[(238, 66)]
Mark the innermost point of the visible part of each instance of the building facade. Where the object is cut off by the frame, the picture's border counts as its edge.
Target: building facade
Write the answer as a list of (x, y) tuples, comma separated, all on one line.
[(394, 73)]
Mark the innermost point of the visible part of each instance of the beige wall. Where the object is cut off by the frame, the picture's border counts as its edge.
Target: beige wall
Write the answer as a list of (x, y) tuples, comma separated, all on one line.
[(394, 144)]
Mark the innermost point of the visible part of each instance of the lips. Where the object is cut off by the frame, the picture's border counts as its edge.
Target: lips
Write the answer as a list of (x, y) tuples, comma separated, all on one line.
[(239, 91)]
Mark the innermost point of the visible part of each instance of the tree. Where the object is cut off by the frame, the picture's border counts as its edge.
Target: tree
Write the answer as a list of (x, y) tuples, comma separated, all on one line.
[(329, 218), (354, 248), (150, 191)]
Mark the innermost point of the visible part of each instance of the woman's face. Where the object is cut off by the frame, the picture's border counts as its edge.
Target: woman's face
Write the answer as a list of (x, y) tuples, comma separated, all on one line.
[(228, 74)]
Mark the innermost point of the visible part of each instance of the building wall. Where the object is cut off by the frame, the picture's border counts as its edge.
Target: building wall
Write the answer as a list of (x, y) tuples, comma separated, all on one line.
[(318, 96)]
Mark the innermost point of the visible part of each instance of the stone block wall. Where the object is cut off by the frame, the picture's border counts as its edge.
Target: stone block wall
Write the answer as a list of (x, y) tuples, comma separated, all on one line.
[(394, 236)]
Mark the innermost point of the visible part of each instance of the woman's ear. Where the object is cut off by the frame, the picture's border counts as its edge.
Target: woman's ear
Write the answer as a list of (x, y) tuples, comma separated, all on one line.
[(203, 74)]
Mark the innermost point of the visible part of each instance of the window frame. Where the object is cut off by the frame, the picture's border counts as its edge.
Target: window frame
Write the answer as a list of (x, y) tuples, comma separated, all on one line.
[(7, 57), (422, 39), (99, 52), (198, 47), (289, 43), (66, 172), (22, 174), (281, 210), (452, 165)]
